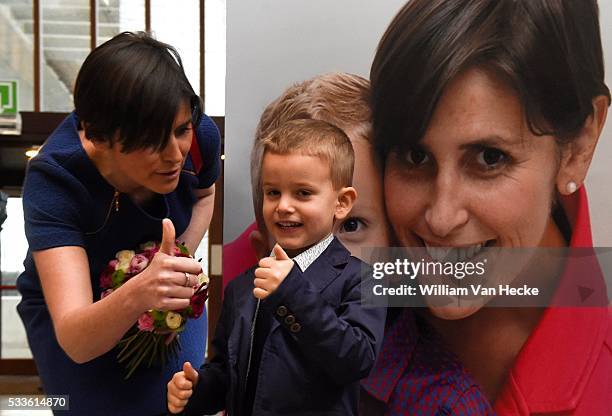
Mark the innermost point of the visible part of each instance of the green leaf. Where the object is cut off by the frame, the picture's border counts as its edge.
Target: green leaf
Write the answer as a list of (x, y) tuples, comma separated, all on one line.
[(183, 249), (158, 316), (118, 278)]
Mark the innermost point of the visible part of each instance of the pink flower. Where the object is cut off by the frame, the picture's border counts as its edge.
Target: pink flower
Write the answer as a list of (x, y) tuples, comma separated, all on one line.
[(106, 277), (106, 293), (149, 249), (106, 280), (145, 322), (150, 253), (197, 303), (138, 263)]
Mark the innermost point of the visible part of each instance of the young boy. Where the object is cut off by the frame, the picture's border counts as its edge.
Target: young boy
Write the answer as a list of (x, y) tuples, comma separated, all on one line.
[(293, 337), (340, 99)]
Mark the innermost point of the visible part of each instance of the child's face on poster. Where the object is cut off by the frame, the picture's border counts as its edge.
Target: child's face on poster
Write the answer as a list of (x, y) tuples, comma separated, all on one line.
[(366, 225), (300, 203)]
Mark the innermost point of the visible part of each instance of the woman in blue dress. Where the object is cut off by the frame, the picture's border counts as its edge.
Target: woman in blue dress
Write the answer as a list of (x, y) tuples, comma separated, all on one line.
[(136, 150)]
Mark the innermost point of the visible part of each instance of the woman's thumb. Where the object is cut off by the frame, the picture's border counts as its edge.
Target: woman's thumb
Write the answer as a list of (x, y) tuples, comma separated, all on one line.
[(168, 237)]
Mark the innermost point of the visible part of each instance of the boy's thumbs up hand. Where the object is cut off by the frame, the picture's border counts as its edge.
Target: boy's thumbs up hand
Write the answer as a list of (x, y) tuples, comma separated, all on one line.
[(271, 272), (168, 237), (191, 374), (180, 388), (279, 253)]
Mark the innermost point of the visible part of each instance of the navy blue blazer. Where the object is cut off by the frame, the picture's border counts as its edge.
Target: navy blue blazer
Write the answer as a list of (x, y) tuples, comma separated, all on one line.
[(321, 343)]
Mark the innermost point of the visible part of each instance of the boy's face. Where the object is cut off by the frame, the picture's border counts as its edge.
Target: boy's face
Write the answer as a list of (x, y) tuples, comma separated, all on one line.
[(299, 200)]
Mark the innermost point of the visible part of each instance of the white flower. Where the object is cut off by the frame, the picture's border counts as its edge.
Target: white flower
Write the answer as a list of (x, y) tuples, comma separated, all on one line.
[(173, 320), (123, 266), (125, 256), (202, 278)]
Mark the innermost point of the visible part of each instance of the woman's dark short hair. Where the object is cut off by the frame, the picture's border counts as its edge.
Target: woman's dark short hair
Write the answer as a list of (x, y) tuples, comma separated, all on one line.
[(548, 51), (133, 85)]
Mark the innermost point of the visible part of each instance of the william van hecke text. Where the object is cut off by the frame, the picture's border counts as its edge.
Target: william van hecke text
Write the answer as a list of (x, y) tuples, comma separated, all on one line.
[(449, 290)]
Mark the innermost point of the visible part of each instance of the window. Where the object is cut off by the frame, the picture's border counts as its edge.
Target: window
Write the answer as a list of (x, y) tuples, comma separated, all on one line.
[(42, 45), (13, 248)]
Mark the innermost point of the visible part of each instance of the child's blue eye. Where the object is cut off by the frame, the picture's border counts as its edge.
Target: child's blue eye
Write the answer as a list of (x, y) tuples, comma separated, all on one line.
[(417, 157), (352, 225)]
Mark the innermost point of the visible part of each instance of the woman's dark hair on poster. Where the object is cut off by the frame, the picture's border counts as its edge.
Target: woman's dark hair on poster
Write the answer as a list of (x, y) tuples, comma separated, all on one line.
[(548, 51)]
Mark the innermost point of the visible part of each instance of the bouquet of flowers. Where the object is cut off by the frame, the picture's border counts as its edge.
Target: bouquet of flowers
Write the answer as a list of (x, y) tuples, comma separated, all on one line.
[(156, 335)]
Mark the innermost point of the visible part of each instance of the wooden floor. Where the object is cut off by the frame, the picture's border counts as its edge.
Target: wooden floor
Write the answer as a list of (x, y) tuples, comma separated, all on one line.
[(19, 385)]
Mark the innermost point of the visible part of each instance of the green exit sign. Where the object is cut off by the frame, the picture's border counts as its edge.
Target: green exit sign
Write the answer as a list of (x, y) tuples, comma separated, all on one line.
[(8, 98)]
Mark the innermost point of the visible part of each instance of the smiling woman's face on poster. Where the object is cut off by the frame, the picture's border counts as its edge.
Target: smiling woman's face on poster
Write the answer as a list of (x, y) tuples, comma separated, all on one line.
[(480, 179), (484, 136)]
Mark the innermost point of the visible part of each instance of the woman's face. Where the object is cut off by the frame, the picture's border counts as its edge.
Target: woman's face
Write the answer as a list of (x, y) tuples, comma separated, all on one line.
[(157, 171), (366, 224), (479, 178)]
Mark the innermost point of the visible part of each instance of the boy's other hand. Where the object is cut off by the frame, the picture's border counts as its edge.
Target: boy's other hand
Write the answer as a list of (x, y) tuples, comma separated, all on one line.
[(259, 244), (271, 273), (180, 388)]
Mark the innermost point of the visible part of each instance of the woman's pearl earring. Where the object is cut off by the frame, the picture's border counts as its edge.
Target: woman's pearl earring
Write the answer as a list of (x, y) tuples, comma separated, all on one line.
[(571, 187)]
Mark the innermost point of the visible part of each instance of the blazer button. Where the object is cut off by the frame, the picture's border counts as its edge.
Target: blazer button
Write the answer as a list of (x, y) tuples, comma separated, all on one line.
[(281, 311), (289, 319), (295, 327)]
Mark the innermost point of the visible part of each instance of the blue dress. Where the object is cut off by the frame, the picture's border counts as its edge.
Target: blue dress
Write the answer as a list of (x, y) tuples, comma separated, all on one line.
[(68, 203)]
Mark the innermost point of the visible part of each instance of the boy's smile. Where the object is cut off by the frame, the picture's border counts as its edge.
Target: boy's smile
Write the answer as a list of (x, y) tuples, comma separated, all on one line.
[(299, 201)]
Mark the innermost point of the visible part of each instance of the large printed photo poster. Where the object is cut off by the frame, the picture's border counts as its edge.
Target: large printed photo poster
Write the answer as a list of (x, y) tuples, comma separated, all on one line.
[(273, 45)]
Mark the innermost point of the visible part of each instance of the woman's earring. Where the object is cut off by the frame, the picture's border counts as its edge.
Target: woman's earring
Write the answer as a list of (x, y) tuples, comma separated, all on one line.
[(571, 187)]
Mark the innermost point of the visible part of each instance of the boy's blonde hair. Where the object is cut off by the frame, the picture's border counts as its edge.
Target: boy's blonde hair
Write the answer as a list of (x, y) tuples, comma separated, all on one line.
[(340, 99), (315, 138)]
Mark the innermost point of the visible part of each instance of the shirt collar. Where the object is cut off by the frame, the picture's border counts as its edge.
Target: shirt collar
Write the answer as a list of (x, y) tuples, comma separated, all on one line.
[(307, 257), (551, 372)]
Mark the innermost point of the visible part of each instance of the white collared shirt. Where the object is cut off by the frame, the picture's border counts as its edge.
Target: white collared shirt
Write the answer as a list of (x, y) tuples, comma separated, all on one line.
[(307, 257)]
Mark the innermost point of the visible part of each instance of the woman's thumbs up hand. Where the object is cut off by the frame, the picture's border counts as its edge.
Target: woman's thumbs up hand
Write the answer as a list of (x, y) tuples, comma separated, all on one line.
[(168, 282)]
